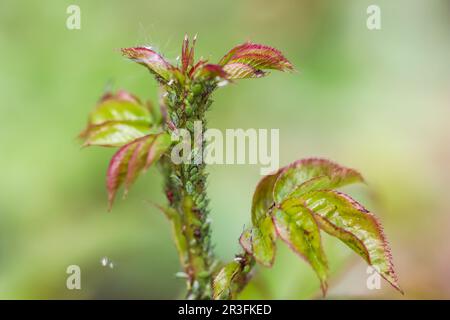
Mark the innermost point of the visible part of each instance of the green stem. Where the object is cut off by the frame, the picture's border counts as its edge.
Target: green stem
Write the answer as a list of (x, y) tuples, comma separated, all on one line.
[(185, 187), (191, 207)]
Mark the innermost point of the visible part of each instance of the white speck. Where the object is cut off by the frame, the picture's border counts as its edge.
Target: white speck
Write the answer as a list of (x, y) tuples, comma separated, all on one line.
[(222, 83), (181, 275), (104, 261), (171, 81), (165, 94), (177, 58), (111, 265)]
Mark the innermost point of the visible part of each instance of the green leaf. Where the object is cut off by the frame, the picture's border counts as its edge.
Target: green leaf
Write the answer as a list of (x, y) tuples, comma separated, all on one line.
[(312, 174), (262, 197), (263, 242), (295, 225), (223, 281), (117, 120), (132, 158), (116, 108), (344, 218), (263, 233), (299, 201), (115, 133)]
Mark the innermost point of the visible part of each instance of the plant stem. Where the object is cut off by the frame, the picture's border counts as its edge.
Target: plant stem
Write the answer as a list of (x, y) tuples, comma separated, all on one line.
[(185, 187)]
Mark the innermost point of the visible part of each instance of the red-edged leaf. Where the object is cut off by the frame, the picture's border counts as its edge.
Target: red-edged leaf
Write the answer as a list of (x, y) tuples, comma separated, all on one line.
[(223, 281), (295, 225), (117, 170), (187, 53), (114, 133), (250, 59), (120, 95), (121, 106), (238, 70), (210, 71), (263, 197), (263, 233), (299, 201), (263, 242), (137, 160), (344, 218), (150, 59), (197, 67), (118, 119), (132, 158), (312, 174), (245, 240), (157, 149)]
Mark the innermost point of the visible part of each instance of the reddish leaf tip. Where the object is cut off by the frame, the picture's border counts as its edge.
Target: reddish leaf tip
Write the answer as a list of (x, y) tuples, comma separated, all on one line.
[(150, 59), (245, 241)]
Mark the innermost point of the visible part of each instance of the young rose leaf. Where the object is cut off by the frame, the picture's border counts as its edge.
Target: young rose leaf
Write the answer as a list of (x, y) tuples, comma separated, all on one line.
[(317, 183), (295, 225), (344, 218), (263, 233), (150, 59), (263, 242), (312, 174), (210, 71), (263, 197), (132, 158), (249, 60), (146, 153), (117, 120), (115, 133), (117, 169), (187, 53), (238, 70), (223, 281), (121, 106)]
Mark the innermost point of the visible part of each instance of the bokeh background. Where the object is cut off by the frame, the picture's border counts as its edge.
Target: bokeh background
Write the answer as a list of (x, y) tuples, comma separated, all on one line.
[(378, 101)]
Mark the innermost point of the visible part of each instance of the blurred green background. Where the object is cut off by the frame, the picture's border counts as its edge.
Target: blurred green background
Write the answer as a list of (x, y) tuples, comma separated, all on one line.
[(378, 101)]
